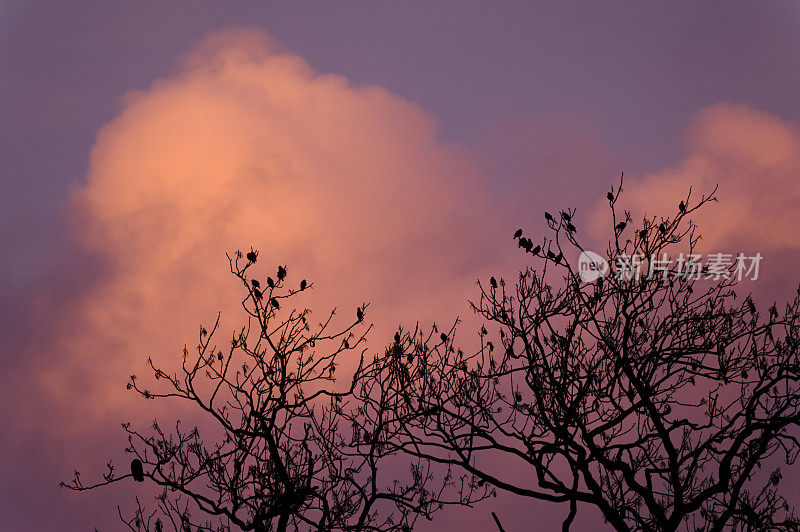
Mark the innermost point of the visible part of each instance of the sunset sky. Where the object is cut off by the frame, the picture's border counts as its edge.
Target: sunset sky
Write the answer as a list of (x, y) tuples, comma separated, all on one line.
[(386, 151)]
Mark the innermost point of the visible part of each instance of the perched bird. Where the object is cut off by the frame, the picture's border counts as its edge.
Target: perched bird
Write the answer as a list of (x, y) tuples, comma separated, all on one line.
[(536, 250), (662, 228), (610, 196), (257, 293), (559, 257), (621, 226), (443, 336), (550, 254), (643, 234), (751, 305), (682, 207), (548, 216), (397, 337), (275, 303), (281, 273), (570, 227), (566, 216), (518, 233), (251, 256), (303, 284), (270, 282), (360, 314), (493, 282), (255, 283), (528, 245), (136, 470)]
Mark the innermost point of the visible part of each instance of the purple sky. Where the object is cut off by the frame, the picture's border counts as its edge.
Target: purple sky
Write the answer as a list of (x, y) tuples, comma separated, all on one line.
[(567, 94)]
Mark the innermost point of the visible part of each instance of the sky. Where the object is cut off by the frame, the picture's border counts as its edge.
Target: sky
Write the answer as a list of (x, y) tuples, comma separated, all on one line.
[(386, 151)]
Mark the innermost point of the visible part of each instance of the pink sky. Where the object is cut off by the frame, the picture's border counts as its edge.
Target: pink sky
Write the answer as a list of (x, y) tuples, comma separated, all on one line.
[(385, 155)]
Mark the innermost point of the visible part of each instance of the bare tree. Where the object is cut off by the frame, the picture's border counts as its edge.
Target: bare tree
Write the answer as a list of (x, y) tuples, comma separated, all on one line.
[(288, 456), (660, 399)]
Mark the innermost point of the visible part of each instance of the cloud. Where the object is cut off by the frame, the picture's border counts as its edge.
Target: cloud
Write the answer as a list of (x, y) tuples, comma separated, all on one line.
[(754, 157), (247, 145)]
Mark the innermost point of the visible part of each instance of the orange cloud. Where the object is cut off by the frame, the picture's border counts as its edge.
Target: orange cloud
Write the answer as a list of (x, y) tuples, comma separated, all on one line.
[(246, 145), (753, 157)]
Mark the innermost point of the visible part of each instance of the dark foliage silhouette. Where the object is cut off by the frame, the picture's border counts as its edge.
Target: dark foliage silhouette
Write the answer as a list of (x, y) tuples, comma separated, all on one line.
[(293, 452), (666, 402)]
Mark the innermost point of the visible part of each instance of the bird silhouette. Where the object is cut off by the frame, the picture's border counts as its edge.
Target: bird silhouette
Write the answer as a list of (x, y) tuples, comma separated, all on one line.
[(621, 226), (571, 228), (566, 216), (550, 254), (257, 293), (751, 305), (536, 250), (662, 228), (136, 470), (643, 234), (610, 196), (397, 337), (255, 283), (275, 303), (360, 314), (493, 282), (281, 273), (559, 257), (518, 233), (682, 207), (270, 282), (303, 284), (251, 256), (548, 216), (443, 336), (528, 245)]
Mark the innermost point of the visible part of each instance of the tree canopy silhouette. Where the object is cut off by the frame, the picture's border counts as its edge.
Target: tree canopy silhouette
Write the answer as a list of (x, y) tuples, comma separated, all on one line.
[(664, 401), (292, 454)]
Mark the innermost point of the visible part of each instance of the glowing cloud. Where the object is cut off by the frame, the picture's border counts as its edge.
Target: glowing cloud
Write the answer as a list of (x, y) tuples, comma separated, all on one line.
[(246, 145), (755, 160)]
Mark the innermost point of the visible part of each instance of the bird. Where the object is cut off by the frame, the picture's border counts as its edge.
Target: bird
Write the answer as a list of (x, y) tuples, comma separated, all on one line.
[(397, 337), (251, 256), (643, 234), (275, 303), (682, 207), (610, 196), (751, 305), (443, 336), (528, 245), (662, 228), (136, 470), (257, 293), (281, 273), (493, 282), (518, 233), (570, 227), (550, 254), (548, 216), (621, 226), (360, 314), (559, 257), (270, 282), (303, 284), (536, 250), (566, 216)]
